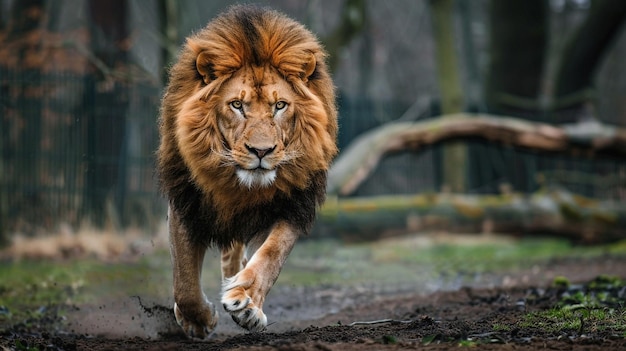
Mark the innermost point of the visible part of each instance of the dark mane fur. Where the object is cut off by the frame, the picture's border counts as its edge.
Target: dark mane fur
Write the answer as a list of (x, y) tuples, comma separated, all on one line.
[(201, 217)]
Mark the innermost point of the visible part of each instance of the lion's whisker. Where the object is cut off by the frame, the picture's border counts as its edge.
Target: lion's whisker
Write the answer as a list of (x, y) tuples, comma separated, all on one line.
[(291, 156), (226, 157)]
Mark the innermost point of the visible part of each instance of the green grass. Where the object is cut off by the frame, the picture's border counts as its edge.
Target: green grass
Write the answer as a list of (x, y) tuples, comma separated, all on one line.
[(595, 307), (497, 327), (468, 343), (578, 321), (423, 260), (29, 286), (487, 256)]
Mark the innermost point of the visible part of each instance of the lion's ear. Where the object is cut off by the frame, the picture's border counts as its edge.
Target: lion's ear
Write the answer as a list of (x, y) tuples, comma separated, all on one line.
[(204, 67), (309, 67)]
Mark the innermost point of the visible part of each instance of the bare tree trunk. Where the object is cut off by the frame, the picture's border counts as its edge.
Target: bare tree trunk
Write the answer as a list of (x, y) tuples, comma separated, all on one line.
[(352, 22), (455, 154), (108, 123), (582, 55), (518, 41), (169, 20)]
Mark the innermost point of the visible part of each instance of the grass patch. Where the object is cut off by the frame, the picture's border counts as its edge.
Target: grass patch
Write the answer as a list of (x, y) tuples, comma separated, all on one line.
[(577, 321), (597, 306), (28, 288), (425, 259), (498, 327), (482, 255)]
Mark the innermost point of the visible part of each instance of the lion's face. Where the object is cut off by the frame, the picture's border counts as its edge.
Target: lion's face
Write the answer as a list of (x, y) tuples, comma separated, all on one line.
[(254, 129), (255, 116)]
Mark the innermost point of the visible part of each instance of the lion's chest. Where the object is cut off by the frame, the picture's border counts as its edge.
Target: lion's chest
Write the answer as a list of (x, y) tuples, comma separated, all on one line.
[(221, 222)]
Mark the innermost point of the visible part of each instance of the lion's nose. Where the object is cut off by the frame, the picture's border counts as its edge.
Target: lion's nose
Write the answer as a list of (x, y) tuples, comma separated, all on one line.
[(260, 152)]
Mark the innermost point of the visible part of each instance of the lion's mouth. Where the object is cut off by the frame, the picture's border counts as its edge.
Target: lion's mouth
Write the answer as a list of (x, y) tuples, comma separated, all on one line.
[(257, 177)]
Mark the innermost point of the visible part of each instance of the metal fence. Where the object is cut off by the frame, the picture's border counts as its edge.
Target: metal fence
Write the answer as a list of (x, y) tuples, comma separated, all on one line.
[(75, 149)]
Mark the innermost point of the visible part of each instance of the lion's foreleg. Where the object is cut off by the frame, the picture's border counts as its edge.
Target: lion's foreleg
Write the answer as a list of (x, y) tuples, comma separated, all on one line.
[(233, 260), (194, 313), (243, 294)]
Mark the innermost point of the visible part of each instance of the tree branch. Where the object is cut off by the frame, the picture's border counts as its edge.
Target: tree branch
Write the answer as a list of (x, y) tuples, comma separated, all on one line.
[(355, 163)]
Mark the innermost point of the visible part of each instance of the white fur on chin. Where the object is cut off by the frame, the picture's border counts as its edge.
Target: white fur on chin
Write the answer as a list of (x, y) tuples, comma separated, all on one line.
[(260, 178)]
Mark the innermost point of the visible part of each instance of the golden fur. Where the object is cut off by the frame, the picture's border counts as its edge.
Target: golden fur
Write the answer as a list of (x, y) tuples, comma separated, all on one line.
[(248, 127)]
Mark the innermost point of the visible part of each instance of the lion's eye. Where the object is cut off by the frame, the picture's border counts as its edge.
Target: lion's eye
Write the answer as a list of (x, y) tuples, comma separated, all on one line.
[(236, 104), (280, 105)]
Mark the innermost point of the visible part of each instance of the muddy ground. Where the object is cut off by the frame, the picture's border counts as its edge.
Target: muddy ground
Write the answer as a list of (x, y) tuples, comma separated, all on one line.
[(491, 316)]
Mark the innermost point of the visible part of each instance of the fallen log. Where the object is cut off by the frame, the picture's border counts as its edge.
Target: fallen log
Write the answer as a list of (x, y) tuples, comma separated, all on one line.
[(355, 163), (547, 212)]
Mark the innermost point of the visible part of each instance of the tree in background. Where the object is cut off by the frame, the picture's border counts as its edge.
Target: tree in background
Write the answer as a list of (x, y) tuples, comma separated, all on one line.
[(517, 53), (110, 42), (516, 74), (352, 23), (21, 126), (521, 82), (454, 155), (574, 87)]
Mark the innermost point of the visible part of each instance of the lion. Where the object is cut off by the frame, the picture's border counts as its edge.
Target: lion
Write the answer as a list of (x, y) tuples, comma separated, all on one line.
[(248, 128)]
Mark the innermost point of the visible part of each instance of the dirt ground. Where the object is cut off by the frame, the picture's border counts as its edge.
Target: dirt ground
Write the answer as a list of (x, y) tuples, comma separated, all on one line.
[(351, 318)]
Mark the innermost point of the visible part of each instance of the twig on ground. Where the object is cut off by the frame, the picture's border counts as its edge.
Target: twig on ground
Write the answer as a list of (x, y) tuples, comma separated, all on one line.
[(379, 321)]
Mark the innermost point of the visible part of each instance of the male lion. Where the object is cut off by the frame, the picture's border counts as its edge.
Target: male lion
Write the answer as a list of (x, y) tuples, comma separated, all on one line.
[(248, 126)]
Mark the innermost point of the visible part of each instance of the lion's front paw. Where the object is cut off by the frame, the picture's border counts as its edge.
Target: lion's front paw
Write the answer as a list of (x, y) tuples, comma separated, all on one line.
[(238, 300), (197, 322)]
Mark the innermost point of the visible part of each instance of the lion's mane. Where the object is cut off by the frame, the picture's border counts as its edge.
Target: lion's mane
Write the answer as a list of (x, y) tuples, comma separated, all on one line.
[(212, 206)]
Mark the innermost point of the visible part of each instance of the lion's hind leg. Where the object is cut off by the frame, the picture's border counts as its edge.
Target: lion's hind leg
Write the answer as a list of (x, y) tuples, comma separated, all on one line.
[(233, 260), (244, 293)]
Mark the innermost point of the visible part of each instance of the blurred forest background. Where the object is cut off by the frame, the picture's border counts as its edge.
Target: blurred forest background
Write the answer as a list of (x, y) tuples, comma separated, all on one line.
[(80, 84)]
